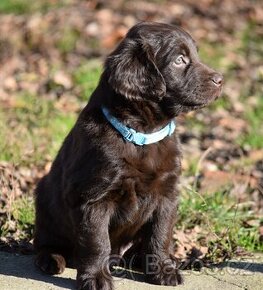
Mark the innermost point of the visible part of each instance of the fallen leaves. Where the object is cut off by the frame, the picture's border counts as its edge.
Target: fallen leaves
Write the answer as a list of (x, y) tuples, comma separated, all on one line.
[(62, 79), (220, 180), (233, 124), (187, 240)]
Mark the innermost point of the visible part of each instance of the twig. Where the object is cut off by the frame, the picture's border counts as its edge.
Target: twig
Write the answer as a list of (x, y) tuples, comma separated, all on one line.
[(199, 164)]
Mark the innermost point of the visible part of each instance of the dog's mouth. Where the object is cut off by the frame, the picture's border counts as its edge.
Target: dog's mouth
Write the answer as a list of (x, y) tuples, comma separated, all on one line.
[(193, 105), (202, 102), (198, 105)]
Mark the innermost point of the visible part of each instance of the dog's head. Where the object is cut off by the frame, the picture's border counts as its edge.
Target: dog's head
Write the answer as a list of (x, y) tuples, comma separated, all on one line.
[(159, 63)]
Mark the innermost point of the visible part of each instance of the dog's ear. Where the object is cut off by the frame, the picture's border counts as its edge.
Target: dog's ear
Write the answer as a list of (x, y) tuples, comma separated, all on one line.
[(131, 71)]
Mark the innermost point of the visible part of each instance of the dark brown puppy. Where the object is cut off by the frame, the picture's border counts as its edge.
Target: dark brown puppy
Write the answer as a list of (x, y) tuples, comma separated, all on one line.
[(102, 192)]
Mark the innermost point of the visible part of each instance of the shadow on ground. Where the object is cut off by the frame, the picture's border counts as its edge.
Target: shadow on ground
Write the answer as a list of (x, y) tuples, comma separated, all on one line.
[(247, 266), (19, 272), (24, 268)]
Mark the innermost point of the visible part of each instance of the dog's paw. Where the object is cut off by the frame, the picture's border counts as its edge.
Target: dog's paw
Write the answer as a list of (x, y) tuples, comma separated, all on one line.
[(99, 282), (165, 273), (50, 263)]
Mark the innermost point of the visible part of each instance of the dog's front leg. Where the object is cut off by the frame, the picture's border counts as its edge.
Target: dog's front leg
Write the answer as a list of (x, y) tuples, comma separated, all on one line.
[(93, 248), (160, 266)]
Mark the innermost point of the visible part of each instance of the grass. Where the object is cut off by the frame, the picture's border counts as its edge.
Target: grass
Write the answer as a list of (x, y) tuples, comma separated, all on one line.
[(212, 54), (250, 48), (252, 43), (221, 103), (86, 77), (29, 6), (254, 137), (32, 129), (20, 218), (192, 122), (221, 215), (23, 210), (68, 40)]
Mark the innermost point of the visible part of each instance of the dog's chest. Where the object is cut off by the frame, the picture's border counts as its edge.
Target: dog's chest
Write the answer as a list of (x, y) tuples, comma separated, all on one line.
[(151, 167), (148, 176)]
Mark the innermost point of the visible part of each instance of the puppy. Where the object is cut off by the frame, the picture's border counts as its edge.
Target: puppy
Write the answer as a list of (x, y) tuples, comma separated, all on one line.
[(113, 182)]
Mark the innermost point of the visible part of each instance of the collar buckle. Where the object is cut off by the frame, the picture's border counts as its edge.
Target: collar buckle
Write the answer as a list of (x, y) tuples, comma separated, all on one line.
[(130, 137)]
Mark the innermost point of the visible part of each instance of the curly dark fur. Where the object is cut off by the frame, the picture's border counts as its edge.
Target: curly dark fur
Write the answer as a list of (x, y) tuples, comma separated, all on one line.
[(103, 193)]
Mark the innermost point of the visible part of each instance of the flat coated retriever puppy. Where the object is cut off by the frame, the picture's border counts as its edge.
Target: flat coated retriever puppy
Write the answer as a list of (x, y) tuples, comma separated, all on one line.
[(107, 189)]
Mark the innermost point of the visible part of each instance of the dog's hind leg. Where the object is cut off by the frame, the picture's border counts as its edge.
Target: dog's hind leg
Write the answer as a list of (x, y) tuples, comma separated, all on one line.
[(52, 246), (52, 254)]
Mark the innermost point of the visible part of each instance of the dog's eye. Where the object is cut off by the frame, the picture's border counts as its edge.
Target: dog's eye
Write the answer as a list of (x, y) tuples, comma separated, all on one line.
[(180, 60)]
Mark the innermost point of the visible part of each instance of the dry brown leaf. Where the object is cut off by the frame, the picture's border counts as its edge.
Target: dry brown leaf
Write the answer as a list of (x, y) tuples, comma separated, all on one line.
[(213, 181), (234, 124), (61, 78)]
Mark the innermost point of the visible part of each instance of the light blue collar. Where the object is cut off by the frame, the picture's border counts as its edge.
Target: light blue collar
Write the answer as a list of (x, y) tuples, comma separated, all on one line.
[(138, 138)]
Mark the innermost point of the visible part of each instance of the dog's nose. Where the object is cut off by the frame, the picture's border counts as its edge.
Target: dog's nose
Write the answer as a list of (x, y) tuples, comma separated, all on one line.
[(217, 79)]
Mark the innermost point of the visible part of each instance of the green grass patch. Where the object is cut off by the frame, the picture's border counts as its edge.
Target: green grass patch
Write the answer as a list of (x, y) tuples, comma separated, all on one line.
[(254, 116), (68, 40), (192, 167), (23, 210), (221, 103), (15, 6), (32, 130), (221, 217), (29, 6), (192, 122), (251, 49), (212, 54), (252, 42), (86, 77), (59, 129), (20, 218)]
